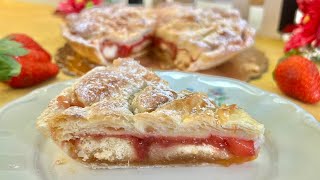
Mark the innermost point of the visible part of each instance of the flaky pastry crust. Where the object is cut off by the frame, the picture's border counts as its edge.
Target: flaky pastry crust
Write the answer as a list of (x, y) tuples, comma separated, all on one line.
[(132, 99), (128, 99)]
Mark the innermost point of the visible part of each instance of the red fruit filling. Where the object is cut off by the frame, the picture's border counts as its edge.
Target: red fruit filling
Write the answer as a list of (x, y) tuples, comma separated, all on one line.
[(236, 147), (125, 50), (167, 46)]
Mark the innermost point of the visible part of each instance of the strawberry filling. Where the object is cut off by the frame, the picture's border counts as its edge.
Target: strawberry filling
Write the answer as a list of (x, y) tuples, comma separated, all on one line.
[(167, 46), (236, 147), (111, 50)]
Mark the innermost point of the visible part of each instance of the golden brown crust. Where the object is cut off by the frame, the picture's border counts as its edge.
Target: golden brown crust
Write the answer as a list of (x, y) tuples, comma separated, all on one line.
[(84, 48), (111, 97)]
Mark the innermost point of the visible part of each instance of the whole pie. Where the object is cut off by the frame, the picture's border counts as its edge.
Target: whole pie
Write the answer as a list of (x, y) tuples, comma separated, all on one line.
[(185, 37), (124, 115)]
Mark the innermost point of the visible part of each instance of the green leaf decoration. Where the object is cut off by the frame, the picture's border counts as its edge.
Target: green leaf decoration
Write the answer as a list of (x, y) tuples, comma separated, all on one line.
[(11, 48), (290, 53), (9, 67), (89, 4)]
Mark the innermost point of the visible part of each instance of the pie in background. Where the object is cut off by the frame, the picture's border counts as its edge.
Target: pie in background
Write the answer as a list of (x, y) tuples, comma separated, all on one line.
[(124, 115), (185, 37), (104, 33)]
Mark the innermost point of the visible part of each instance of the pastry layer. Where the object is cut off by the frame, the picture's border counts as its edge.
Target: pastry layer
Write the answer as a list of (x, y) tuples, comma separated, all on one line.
[(123, 149)]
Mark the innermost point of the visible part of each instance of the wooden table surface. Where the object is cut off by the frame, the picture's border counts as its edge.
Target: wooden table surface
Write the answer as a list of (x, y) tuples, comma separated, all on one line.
[(37, 21)]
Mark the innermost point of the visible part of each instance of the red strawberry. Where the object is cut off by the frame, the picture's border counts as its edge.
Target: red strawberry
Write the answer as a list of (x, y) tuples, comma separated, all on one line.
[(32, 73), (31, 45), (35, 55), (299, 78), (23, 62)]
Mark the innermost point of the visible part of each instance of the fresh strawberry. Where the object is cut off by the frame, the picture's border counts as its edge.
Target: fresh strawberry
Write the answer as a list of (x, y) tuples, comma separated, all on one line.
[(31, 45), (23, 62), (32, 73), (299, 78), (36, 55)]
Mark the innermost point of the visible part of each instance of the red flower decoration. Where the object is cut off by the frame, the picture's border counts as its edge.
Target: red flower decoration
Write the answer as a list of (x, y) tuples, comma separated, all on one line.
[(75, 6), (308, 30)]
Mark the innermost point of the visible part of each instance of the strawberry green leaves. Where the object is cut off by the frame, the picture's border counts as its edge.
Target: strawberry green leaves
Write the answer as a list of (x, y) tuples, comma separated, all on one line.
[(290, 53), (9, 67), (308, 52), (11, 48)]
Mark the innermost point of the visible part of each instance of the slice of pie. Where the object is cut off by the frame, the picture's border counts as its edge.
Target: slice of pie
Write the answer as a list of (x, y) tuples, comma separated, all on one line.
[(107, 32), (126, 116), (200, 38)]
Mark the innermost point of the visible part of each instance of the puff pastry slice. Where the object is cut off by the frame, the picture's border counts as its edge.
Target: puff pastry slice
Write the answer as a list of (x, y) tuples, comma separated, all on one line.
[(124, 115)]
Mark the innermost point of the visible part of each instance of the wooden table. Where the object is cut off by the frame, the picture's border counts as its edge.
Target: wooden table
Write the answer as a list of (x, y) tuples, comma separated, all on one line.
[(37, 21)]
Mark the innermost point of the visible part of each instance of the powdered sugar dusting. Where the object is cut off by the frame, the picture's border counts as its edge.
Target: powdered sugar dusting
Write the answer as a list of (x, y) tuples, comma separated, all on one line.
[(121, 81), (202, 26), (128, 97), (115, 22), (151, 97)]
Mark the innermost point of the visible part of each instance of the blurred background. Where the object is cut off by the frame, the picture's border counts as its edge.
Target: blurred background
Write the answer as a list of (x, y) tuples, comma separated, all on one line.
[(269, 17)]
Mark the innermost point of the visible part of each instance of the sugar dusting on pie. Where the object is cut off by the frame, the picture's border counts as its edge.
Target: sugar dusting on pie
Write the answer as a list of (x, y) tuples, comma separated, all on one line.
[(105, 33), (185, 37), (124, 115), (196, 38)]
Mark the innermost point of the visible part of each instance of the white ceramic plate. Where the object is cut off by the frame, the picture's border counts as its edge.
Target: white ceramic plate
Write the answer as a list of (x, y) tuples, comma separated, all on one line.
[(291, 151)]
